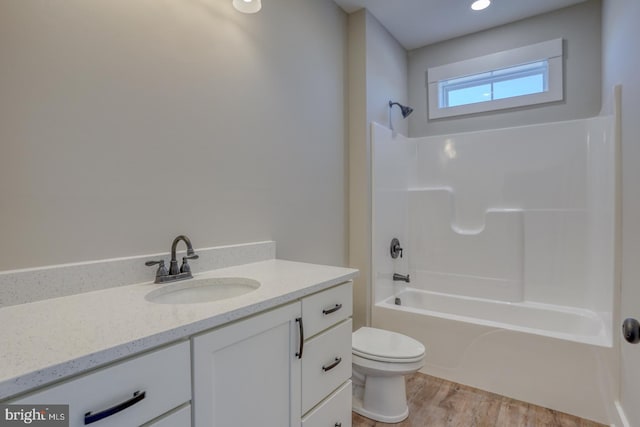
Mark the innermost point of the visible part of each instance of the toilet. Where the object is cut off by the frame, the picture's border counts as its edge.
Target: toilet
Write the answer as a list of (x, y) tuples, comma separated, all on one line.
[(380, 360)]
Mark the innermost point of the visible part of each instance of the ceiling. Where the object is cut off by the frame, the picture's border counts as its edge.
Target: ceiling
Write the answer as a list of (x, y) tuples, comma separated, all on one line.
[(417, 23)]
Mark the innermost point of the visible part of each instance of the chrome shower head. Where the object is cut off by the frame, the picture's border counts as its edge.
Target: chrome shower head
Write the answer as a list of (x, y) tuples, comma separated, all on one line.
[(404, 109)]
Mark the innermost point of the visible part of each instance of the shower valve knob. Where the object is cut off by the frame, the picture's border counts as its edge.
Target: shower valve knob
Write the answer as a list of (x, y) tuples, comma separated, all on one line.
[(631, 331), (395, 248)]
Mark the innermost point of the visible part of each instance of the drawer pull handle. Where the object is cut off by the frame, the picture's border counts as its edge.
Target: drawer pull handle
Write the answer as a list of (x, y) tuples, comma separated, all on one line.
[(338, 425), (332, 365), (90, 418), (301, 329), (332, 310)]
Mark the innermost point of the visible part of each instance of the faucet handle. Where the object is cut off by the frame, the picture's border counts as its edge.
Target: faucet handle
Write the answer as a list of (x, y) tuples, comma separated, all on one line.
[(186, 268), (395, 248), (162, 270)]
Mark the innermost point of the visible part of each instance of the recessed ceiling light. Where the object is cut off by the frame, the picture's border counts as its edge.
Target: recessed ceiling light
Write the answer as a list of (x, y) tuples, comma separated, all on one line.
[(480, 4), (247, 6)]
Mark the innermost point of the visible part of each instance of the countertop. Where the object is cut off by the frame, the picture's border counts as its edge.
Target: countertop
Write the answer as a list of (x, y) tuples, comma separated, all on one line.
[(45, 341)]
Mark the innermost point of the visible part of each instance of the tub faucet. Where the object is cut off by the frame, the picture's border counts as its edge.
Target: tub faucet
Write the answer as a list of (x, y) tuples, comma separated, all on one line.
[(400, 278), (174, 274)]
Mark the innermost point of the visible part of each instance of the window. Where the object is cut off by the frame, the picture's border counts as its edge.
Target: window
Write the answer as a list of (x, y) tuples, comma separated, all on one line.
[(514, 78), (498, 84)]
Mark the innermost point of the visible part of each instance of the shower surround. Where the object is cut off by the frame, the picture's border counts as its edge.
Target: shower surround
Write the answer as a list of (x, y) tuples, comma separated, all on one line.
[(509, 239)]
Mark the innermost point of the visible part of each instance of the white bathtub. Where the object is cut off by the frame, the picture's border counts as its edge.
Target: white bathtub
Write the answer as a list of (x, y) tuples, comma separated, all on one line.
[(556, 357), (567, 323)]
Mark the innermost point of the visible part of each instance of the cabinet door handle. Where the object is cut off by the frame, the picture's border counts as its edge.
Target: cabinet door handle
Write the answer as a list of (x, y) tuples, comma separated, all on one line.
[(332, 365), (301, 329), (332, 310), (338, 424), (90, 418)]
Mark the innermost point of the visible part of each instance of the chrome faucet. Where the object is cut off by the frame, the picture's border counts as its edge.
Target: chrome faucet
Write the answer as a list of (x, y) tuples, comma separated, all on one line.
[(400, 278), (175, 274)]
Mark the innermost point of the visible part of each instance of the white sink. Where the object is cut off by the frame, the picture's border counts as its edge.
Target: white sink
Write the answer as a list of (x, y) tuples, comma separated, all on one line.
[(202, 290)]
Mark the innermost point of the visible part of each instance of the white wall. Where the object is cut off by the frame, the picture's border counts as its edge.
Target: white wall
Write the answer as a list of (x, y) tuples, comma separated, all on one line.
[(124, 124), (377, 74), (578, 25), (621, 62)]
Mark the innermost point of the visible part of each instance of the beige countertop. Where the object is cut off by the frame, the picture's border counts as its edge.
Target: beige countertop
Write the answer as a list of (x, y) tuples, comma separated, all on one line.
[(45, 341)]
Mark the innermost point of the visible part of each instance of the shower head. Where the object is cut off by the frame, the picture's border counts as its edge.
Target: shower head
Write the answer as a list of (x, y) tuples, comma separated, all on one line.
[(405, 110)]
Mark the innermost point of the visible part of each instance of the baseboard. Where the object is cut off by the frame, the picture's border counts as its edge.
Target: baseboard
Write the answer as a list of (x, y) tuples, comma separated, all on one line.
[(620, 417)]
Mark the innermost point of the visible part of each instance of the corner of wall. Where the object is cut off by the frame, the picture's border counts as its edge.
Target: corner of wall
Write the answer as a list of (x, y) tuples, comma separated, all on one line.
[(359, 154)]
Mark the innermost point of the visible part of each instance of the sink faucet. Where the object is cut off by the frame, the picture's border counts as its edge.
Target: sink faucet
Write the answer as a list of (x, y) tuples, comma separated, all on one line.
[(175, 274), (173, 266)]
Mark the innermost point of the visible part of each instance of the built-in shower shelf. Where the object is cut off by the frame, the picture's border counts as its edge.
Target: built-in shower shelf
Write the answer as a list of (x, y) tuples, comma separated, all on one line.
[(495, 249), (444, 199)]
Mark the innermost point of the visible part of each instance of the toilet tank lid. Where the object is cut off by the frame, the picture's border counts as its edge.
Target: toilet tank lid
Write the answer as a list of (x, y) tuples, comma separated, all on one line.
[(378, 342)]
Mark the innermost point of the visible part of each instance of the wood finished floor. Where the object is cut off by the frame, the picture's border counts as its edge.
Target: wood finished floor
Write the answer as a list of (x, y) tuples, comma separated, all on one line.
[(434, 402)]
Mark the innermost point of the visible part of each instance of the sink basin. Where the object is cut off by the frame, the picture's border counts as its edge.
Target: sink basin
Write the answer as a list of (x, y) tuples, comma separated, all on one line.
[(202, 290)]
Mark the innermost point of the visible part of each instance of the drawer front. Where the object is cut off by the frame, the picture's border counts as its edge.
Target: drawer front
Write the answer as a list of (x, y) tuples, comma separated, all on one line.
[(326, 363), (178, 418), (327, 308), (164, 376), (335, 411)]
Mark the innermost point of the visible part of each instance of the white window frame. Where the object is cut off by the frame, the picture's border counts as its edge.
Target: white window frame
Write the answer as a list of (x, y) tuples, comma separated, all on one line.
[(551, 51)]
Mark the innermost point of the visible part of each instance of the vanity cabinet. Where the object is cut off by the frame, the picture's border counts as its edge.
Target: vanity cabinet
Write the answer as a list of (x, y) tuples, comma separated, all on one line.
[(272, 369), (153, 388), (248, 373), (288, 366)]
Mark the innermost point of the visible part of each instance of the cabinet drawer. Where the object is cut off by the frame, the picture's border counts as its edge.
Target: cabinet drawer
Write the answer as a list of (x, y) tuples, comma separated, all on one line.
[(178, 418), (326, 308), (326, 363), (163, 376), (335, 411)]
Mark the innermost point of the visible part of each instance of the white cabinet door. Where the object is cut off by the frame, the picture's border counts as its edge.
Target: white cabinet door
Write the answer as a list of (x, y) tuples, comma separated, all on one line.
[(248, 374)]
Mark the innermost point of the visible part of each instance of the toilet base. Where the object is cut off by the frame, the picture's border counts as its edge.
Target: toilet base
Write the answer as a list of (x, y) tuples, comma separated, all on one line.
[(358, 409), (381, 399)]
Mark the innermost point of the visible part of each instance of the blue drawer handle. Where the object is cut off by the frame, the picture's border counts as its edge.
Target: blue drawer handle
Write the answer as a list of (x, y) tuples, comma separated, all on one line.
[(90, 418)]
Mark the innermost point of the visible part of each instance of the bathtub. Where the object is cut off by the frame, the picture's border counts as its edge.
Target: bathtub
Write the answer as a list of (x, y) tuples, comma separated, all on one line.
[(553, 356), (566, 323)]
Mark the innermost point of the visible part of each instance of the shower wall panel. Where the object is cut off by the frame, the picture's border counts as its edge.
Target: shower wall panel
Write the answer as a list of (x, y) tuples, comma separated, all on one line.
[(516, 214)]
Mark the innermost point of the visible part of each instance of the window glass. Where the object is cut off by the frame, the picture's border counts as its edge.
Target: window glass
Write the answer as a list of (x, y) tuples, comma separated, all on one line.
[(518, 87), (468, 95), (504, 83)]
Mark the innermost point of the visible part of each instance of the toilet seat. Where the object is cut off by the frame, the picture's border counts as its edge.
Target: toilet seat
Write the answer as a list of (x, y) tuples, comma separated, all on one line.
[(386, 346), (386, 359)]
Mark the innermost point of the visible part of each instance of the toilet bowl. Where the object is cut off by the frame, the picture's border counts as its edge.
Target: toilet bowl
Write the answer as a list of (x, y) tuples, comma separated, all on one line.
[(380, 361)]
